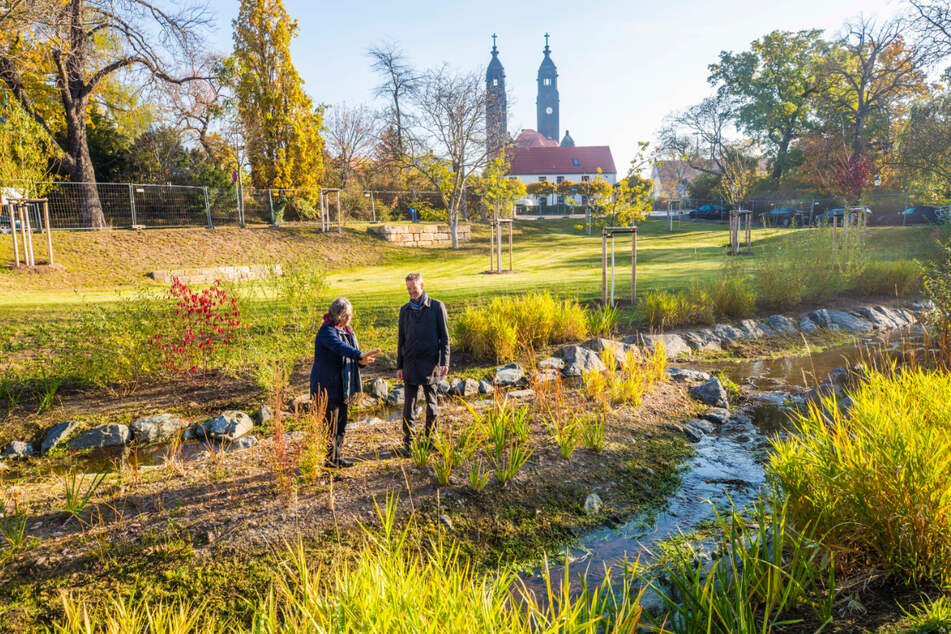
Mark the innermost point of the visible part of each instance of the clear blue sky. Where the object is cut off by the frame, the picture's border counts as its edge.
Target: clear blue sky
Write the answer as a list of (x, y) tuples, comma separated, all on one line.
[(623, 65)]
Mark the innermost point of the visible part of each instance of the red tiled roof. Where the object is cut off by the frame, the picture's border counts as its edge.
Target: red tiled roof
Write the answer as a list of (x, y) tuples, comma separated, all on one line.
[(561, 160), (531, 138)]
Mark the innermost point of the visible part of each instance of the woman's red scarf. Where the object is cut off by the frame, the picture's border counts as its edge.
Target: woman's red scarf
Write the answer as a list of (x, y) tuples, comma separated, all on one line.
[(329, 321)]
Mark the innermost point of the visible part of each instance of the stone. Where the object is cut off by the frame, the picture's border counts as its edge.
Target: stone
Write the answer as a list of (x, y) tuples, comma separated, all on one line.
[(592, 504), (693, 433), (446, 521), (711, 392), (486, 387), (470, 387), (551, 363), (807, 325), (18, 450), (782, 325), (703, 425), (509, 375), (831, 318), (923, 306), (579, 359), (265, 414), (57, 434), (718, 415), (245, 442), (674, 345), (113, 435), (443, 386), (379, 388), (157, 428), (546, 376), (525, 394), (397, 396), (617, 348), (684, 375), (228, 425), (727, 333), (300, 402), (753, 330), (455, 387)]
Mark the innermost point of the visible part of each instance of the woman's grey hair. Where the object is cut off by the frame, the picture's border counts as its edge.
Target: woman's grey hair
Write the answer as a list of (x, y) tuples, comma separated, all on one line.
[(339, 307)]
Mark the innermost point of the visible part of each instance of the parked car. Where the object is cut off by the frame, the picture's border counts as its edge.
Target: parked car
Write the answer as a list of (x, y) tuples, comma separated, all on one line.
[(784, 217), (839, 213), (921, 215), (711, 212)]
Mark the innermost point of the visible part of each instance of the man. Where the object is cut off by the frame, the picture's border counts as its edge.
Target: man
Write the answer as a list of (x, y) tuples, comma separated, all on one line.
[(422, 354)]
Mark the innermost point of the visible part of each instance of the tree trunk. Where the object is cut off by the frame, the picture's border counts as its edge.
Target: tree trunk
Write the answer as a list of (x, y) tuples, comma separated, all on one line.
[(781, 157), (81, 170)]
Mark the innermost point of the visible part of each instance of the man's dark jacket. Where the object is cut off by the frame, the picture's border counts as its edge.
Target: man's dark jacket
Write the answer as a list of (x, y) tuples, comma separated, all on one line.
[(423, 342), (336, 364)]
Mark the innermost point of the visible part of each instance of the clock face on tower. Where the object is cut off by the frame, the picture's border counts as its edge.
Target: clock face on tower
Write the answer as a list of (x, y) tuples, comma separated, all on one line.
[(548, 110)]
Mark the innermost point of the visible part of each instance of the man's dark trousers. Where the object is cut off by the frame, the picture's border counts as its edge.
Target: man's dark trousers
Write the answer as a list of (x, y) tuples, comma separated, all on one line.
[(410, 421)]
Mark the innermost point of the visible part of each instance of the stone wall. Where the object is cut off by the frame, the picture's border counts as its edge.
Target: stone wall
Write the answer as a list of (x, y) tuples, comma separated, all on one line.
[(420, 234), (223, 273)]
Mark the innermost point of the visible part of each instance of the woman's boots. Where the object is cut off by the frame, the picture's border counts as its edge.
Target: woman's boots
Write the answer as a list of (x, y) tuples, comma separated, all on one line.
[(335, 459)]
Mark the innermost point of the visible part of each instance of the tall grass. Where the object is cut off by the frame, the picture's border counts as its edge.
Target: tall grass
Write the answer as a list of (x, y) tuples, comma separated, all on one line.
[(898, 279), (876, 483), (508, 326), (666, 309), (624, 383)]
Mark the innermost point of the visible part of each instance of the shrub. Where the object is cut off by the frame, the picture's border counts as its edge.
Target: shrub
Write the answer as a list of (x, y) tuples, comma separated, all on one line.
[(625, 382), (509, 325), (592, 431), (731, 294), (565, 431), (602, 320), (665, 309), (876, 483), (898, 278)]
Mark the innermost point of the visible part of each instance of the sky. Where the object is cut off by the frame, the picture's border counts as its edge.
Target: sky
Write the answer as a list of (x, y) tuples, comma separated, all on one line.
[(622, 66)]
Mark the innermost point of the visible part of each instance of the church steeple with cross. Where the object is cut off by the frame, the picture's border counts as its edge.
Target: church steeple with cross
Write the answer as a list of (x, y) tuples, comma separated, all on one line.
[(496, 116), (546, 104)]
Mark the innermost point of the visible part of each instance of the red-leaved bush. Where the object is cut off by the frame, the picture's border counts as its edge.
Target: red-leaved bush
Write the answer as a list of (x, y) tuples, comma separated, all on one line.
[(200, 324)]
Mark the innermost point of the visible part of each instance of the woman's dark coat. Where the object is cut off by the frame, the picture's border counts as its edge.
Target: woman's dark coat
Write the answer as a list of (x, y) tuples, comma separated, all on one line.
[(336, 366), (423, 342)]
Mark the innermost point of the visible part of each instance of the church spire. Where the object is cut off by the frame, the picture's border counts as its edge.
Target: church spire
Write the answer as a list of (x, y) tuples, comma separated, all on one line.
[(496, 117), (546, 104)]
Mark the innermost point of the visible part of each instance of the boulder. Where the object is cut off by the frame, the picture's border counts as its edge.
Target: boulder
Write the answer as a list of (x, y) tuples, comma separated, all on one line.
[(592, 504), (228, 425), (455, 387), (379, 388), (509, 375), (832, 319), (397, 396), (57, 434), (727, 333), (718, 415), (486, 387), (443, 386), (470, 387), (265, 414), (693, 433), (923, 306), (301, 401), (245, 442), (807, 325), (600, 344), (157, 428), (711, 392), (674, 345), (546, 376), (752, 329), (523, 395), (113, 435), (579, 359), (782, 325), (704, 426), (685, 375), (18, 450), (551, 363)]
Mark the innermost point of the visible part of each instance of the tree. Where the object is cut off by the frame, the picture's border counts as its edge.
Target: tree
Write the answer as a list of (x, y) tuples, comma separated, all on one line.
[(196, 107), (774, 84), (699, 133), (400, 81), (931, 19), (499, 192), (25, 151), (924, 148), (832, 168), (450, 122), (76, 45), (351, 132), (281, 125), (739, 173)]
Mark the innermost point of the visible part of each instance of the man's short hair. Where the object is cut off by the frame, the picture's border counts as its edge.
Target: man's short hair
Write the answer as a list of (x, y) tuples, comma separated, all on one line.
[(412, 277)]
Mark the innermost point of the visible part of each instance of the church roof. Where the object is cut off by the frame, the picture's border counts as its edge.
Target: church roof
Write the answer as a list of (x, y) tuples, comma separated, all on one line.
[(567, 141), (531, 138), (561, 160)]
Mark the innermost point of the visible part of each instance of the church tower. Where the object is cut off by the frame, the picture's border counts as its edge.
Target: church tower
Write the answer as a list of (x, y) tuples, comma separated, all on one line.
[(546, 103), (496, 117)]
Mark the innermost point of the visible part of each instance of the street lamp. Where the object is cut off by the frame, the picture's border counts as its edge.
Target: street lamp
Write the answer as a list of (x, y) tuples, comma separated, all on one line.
[(369, 195)]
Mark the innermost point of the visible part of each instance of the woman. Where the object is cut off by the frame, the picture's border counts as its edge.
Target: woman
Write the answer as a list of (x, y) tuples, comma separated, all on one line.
[(336, 373)]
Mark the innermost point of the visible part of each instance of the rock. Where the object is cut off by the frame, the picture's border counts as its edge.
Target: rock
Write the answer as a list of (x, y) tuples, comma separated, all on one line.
[(113, 435), (57, 434), (807, 325), (509, 375), (704, 426), (693, 433), (684, 375), (245, 442), (367, 421), (776, 399), (265, 414), (711, 392), (228, 425), (526, 394), (782, 325), (674, 427), (753, 330), (600, 344), (727, 333), (718, 415), (651, 601), (470, 387), (923, 306), (157, 428), (551, 363), (674, 345), (443, 386), (486, 387), (455, 387), (579, 359), (18, 450), (831, 318), (592, 504), (546, 376), (397, 396), (446, 521), (379, 388), (300, 402)]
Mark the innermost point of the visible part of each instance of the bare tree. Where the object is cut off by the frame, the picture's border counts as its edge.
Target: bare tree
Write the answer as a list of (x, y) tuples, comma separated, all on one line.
[(351, 133), (61, 44), (198, 104), (931, 19), (448, 140), (399, 81), (699, 133)]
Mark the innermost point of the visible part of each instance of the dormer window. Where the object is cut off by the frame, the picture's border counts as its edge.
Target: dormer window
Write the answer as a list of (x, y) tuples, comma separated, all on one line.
[(575, 162), (495, 82), (546, 82)]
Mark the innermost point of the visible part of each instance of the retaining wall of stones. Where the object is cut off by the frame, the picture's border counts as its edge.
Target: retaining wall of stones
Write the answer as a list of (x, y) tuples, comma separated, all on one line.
[(223, 273), (421, 234)]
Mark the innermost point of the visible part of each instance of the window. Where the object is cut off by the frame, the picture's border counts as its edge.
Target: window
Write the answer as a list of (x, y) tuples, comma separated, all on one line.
[(546, 82), (495, 82), (584, 179), (542, 179), (559, 179), (561, 200), (575, 162)]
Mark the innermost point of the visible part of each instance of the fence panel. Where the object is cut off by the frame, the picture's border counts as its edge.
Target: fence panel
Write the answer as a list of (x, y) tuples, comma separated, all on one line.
[(67, 200), (168, 205)]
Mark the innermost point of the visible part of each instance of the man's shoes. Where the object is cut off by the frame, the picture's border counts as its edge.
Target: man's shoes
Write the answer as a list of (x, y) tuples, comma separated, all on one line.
[(340, 463)]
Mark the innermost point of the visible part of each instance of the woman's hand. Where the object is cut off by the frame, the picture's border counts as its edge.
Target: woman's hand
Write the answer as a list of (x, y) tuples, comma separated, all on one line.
[(370, 355)]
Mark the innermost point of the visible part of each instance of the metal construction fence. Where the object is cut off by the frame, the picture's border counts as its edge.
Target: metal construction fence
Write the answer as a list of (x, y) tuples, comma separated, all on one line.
[(879, 203)]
